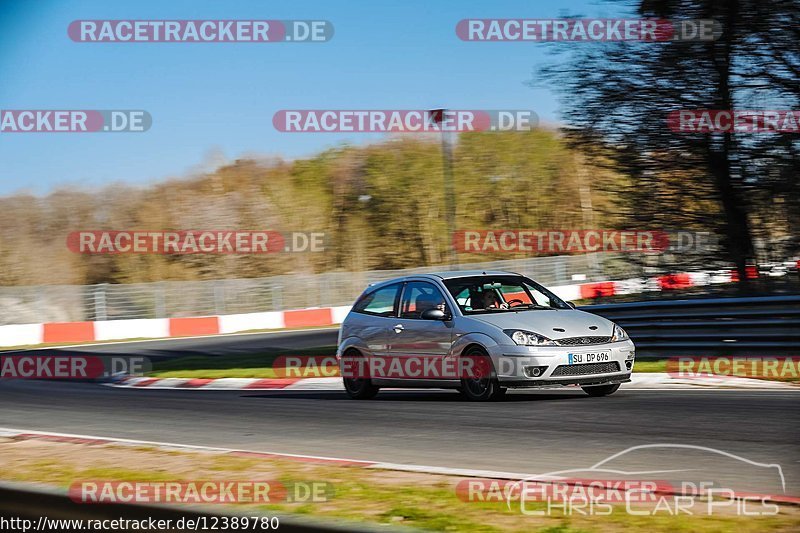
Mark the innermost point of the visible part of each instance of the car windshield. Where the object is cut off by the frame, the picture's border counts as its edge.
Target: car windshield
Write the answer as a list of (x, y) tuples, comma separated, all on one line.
[(498, 294)]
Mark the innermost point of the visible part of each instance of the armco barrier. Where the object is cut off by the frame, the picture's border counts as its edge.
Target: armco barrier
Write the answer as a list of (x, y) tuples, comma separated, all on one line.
[(109, 330), (710, 326)]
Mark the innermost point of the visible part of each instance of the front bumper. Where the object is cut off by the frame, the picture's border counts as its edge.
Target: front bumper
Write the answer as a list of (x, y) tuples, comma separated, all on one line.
[(555, 366), (556, 383)]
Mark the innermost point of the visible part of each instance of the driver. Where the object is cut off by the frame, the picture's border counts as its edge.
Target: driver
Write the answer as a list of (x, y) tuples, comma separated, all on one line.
[(492, 301)]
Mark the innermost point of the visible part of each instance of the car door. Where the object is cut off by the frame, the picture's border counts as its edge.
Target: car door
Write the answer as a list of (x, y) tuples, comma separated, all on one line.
[(372, 317), (411, 336)]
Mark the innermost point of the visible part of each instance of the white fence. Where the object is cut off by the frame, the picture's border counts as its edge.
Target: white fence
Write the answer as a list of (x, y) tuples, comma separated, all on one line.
[(68, 303)]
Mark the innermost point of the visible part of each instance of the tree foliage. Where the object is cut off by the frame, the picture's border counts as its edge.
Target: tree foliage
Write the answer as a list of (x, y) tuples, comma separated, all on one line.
[(742, 186), (381, 206)]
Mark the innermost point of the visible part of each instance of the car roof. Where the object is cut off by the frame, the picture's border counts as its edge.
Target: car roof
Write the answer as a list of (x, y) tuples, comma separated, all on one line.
[(451, 274)]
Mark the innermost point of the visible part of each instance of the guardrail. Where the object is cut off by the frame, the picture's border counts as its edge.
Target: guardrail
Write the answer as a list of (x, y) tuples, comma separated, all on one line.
[(765, 325)]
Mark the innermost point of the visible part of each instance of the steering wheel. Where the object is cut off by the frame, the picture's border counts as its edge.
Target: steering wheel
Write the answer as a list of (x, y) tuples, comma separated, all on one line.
[(511, 302)]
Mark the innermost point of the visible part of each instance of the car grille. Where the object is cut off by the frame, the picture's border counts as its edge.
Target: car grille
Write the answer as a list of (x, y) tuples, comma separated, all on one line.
[(583, 341), (588, 368)]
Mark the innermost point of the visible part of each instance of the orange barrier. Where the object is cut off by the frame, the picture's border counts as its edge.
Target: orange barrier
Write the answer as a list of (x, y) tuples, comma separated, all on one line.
[(191, 326), (68, 332), (308, 317), (596, 290)]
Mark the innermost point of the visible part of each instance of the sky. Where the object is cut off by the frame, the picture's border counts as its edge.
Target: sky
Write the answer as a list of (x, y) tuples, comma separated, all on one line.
[(213, 102)]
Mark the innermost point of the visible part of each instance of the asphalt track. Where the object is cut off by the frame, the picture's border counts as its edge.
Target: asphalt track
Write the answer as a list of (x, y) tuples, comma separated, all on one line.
[(530, 432)]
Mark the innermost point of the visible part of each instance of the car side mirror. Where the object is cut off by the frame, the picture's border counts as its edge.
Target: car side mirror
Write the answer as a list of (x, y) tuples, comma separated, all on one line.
[(572, 305), (434, 314)]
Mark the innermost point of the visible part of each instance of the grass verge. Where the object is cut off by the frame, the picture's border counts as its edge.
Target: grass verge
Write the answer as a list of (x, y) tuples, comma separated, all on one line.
[(425, 501)]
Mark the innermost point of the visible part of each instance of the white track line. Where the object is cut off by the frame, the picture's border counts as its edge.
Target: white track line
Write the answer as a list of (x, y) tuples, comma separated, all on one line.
[(15, 432)]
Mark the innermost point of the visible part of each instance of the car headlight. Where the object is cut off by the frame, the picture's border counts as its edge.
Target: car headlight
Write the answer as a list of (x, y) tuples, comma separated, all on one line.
[(619, 334), (528, 338)]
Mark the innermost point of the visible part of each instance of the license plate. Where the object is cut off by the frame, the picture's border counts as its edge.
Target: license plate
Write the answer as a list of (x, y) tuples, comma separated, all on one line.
[(589, 357)]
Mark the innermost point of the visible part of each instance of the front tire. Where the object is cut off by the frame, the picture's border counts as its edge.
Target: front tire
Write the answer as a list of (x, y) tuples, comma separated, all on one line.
[(483, 386), (602, 390)]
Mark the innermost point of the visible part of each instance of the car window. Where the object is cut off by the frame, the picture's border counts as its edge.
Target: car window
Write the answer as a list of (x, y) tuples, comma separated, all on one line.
[(418, 297), (462, 298), (482, 294), (380, 302), (514, 293)]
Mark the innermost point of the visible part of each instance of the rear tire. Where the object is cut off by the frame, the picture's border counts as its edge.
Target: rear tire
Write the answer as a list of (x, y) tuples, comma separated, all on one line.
[(359, 388), (602, 390), (481, 388)]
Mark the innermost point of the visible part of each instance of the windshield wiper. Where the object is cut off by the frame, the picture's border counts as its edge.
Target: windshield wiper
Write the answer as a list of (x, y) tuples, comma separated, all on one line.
[(531, 306)]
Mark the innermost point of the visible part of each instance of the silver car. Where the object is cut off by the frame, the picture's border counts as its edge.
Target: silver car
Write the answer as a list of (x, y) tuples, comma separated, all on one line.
[(479, 332)]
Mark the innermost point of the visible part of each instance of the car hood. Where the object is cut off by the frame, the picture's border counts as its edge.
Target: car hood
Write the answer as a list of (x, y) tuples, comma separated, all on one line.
[(574, 323)]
